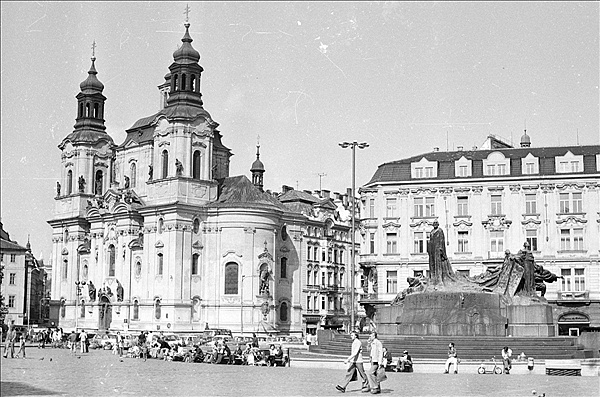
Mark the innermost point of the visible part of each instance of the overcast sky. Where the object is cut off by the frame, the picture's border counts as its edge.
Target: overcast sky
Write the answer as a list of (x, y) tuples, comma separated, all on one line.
[(404, 77)]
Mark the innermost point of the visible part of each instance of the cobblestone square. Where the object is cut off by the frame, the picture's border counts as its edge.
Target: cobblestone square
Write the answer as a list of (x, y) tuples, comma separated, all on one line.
[(100, 373)]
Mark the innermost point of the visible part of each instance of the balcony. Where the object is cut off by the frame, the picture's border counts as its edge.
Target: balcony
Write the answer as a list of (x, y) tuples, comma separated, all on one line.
[(573, 297)]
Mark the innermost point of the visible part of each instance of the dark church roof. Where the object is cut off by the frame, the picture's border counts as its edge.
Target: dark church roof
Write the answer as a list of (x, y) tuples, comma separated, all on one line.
[(238, 191)]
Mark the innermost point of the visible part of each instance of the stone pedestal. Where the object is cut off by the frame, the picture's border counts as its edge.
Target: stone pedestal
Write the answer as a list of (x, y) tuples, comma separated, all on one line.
[(533, 320), (447, 314)]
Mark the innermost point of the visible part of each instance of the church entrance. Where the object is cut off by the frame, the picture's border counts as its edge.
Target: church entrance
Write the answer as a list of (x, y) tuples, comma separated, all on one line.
[(105, 314)]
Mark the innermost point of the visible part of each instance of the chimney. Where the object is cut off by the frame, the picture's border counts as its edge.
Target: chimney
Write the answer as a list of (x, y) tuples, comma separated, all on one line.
[(459, 148), (325, 194), (474, 147), (436, 149), (286, 188), (317, 194), (336, 196)]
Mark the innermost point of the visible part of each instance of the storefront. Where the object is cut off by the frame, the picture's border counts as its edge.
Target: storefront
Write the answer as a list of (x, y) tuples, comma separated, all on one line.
[(572, 324)]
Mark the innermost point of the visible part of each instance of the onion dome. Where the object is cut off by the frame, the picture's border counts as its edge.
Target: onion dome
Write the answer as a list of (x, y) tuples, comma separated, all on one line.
[(186, 53), (525, 140), (257, 165), (91, 84)]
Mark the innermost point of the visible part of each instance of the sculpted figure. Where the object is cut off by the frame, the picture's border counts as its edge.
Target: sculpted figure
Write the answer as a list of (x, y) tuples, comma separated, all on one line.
[(119, 292), (440, 270), (57, 189), (126, 182), (264, 281), (150, 170), (178, 167), (81, 182), (543, 276), (527, 285), (92, 291)]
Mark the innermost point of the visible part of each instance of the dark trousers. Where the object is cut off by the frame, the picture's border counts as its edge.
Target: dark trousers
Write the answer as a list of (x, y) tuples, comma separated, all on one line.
[(352, 368), (372, 375)]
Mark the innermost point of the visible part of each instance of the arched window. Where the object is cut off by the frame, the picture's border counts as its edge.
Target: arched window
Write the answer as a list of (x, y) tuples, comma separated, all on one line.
[(69, 182), (85, 271), (175, 82), (183, 81), (195, 264), (196, 309), (80, 110), (98, 186), (138, 268), (231, 278), (283, 272), (136, 310), (88, 111), (196, 226), (157, 309), (111, 260), (193, 83), (159, 265), (82, 308), (63, 308), (283, 312), (165, 164), (132, 174), (196, 165), (65, 269), (96, 111), (161, 225)]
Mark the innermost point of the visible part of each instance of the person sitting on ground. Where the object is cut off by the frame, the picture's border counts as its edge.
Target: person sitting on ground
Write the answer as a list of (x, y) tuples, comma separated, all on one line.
[(237, 357), (271, 357), (507, 359), (387, 359), (405, 363), (279, 353), (452, 359), (197, 355), (246, 353)]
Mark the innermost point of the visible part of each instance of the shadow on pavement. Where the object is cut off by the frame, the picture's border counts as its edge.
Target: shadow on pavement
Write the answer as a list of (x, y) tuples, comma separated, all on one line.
[(22, 389)]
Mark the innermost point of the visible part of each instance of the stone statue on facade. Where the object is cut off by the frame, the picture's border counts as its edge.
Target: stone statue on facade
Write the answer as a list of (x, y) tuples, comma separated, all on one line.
[(264, 281), (150, 171), (120, 292), (91, 291), (57, 189), (126, 182), (178, 167), (81, 183)]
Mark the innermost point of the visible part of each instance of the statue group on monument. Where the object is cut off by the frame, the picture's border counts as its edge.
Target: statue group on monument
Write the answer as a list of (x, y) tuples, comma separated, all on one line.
[(518, 275)]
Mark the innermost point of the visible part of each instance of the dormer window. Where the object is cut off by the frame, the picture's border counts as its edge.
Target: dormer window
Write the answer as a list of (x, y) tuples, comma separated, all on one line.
[(530, 165), (496, 164), (568, 163), (463, 167), (424, 169)]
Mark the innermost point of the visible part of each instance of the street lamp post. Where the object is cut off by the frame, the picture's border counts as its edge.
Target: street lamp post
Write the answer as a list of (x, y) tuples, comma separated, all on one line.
[(78, 286), (242, 301), (353, 145)]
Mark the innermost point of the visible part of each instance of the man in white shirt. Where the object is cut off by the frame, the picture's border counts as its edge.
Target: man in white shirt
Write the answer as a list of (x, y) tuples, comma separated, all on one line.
[(376, 363), (83, 340), (355, 361), (507, 359)]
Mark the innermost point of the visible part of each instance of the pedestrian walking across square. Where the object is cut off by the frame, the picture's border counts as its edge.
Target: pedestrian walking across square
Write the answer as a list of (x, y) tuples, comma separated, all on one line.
[(355, 364)]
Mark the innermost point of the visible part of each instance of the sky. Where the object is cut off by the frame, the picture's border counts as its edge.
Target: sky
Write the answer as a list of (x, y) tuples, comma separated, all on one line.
[(298, 77)]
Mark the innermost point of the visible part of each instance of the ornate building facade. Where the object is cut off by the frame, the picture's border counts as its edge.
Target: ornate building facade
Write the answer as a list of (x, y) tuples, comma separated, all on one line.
[(487, 201), (153, 233)]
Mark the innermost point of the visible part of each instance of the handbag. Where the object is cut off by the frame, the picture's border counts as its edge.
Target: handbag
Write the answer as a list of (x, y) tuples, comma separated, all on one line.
[(381, 376), (354, 375)]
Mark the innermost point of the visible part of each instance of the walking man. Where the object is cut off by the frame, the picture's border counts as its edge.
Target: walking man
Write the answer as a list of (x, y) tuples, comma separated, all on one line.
[(376, 363), (83, 340), (355, 363), (9, 343)]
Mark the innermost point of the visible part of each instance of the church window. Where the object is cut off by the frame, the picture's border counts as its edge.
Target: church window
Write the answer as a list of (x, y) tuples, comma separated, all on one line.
[(161, 225), (111, 260), (283, 272), (196, 165), (82, 308), (138, 268), (196, 226), (193, 83), (65, 269), (159, 265), (175, 82), (231, 278), (85, 271), (136, 310), (165, 163), (69, 182), (98, 186), (195, 264), (157, 311), (80, 110), (183, 81), (63, 308), (283, 312), (133, 174), (96, 112), (88, 110)]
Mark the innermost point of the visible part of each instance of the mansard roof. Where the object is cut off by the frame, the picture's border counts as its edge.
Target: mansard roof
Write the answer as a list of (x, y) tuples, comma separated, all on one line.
[(238, 191), (400, 170)]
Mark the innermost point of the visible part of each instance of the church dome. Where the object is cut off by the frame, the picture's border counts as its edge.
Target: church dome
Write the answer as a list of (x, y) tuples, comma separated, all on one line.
[(91, 83), (525, 140), (257, 166), (186, 53)]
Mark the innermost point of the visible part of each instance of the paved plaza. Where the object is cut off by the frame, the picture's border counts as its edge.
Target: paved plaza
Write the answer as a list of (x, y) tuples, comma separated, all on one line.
[(100, 373)]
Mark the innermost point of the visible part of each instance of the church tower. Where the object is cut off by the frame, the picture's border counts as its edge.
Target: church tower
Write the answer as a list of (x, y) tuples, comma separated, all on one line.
[(257, 170)]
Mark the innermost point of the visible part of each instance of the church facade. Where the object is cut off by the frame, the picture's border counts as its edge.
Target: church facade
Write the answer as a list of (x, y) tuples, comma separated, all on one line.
[(154, 234)]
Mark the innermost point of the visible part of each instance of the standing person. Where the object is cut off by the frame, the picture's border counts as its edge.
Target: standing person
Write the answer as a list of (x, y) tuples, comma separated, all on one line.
[(355, 361), (73, 341), (254, 340), (507, 359), (120, 344), (452, 359), (21, 346), (83, 337), (376, 363), (9, 343)]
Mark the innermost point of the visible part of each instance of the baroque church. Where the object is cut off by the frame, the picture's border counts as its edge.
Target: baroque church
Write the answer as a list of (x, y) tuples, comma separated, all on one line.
[(153, 233)]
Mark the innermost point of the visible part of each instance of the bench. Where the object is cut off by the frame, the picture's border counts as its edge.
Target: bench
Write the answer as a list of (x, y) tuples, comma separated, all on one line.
[(563, 367)]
